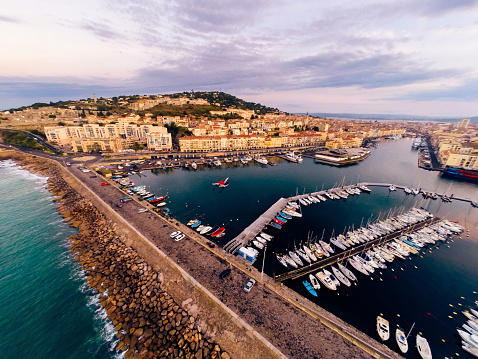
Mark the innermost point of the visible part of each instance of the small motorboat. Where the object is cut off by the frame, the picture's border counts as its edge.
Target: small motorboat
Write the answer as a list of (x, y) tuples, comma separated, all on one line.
[(266, 236), (258, 244), (310, 288), (423, 347), (401, 340), (383, 328), (282, 260), (314, 281)]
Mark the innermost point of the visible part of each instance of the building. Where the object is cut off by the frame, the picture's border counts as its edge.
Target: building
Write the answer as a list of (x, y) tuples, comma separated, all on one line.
[(109, 137)]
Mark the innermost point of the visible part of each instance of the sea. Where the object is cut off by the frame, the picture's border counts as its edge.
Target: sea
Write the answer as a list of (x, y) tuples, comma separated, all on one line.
[(46, 308), (48, 311)]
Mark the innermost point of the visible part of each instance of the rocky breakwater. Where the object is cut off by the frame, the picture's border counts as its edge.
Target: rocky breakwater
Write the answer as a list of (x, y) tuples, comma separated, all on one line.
[(149, 323)]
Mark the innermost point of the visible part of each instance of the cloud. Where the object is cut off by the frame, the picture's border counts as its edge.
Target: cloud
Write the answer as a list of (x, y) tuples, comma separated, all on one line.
[(467, 92), (101, 30), (9, 19)]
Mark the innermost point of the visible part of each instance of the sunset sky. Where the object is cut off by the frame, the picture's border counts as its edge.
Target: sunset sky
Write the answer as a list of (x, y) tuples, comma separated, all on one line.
[(391, 57)]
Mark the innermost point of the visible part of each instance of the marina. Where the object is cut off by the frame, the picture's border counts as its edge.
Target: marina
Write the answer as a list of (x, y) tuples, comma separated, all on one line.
[(253, 190)]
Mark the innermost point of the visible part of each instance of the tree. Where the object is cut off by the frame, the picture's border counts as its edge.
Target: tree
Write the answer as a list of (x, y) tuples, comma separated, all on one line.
[(137, 146), (52, 116)]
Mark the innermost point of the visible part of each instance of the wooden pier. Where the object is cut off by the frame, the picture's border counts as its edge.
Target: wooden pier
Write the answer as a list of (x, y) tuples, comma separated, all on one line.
[(260, 223), (327, 261)]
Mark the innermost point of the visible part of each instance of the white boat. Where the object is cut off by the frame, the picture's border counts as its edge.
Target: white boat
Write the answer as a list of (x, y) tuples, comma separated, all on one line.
[(423, 347), (194, 166), (293, 157), (332, 277), (292, 213), (358, 266), (407, 190), (261, 160), (295, 258), (258, 244), (314, 282), (309, 253), (474, 312), (325, 280), (471, 339), (282, 260), (392, 187), (469, 329), (340, 276), (303, 202), (261, 240), (293, 204), (290, 261), (383, 328), (401, 340), (322, 198), (191, 222), (326, 246), (216, 162), (266, 236), (472, 324), (303, 255), (469, 348), (347, 272), (469, 315), (365, 189), (205, 230), (200, 228)]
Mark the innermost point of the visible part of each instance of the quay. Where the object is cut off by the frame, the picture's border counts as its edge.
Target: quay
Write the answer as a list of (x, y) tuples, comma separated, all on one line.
[(294, 274), (261, 223)]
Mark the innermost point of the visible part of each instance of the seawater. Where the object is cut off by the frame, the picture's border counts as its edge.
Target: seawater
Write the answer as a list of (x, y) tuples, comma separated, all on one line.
[(426, 290), (46, 308)]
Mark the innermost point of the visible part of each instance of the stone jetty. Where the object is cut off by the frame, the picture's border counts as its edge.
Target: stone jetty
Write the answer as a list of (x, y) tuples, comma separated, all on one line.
[(148, 321)]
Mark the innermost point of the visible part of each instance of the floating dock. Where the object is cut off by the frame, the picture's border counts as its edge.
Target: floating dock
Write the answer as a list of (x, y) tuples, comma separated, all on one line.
[(315, 266), (260, 223)]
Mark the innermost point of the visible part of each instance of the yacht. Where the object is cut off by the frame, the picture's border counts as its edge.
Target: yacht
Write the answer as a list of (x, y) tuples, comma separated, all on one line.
[(364, 188), (358, 266), (266, 236), (383, 329), (423, 347), (325, 280), (194, 166), (294, 157), (348, 273), (258, 245), (295, 258), (332, 277), (261, 160), (309, 253), (282, 260), (261, 240), (473, 350), (401, 340), (303, 255), (326, 247), (290, 261), (216, 162), (340, 276)]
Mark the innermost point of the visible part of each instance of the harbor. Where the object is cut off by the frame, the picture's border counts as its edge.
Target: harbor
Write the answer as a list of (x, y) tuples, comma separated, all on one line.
[(253, 190)]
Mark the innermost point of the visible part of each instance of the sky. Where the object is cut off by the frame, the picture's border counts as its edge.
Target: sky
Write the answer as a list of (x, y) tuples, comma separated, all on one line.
[(343, 56)]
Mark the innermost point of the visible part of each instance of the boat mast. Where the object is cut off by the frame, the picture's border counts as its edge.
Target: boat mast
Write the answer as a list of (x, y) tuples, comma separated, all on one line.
[(410, 331)]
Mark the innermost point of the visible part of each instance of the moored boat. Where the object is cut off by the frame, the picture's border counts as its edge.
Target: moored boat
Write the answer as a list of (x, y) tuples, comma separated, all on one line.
[(401, 340), (383, 329), (325, 280), (314, 281), (347, 272), (423, 347), (340, 276), (310, 288)]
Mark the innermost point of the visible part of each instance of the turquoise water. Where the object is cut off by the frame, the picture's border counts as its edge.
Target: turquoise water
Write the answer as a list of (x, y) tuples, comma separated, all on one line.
[(418, 290), (46, 309)]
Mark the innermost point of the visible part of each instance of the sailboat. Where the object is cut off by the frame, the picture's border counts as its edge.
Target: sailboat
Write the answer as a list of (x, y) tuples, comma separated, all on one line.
[(402, 339)]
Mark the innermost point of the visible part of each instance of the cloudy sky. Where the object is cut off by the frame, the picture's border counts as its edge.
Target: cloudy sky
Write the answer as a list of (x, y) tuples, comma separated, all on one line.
[(366, 56)]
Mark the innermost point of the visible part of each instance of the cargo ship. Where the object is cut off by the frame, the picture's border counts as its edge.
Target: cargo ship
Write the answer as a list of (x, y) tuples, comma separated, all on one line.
[(466, 174)]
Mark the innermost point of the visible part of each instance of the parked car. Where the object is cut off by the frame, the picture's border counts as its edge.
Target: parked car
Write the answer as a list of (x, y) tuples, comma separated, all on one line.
[(175, 234), (94, 176), (105, 184), (225, 273), (119, 205), (212, 245), (249, 285)]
